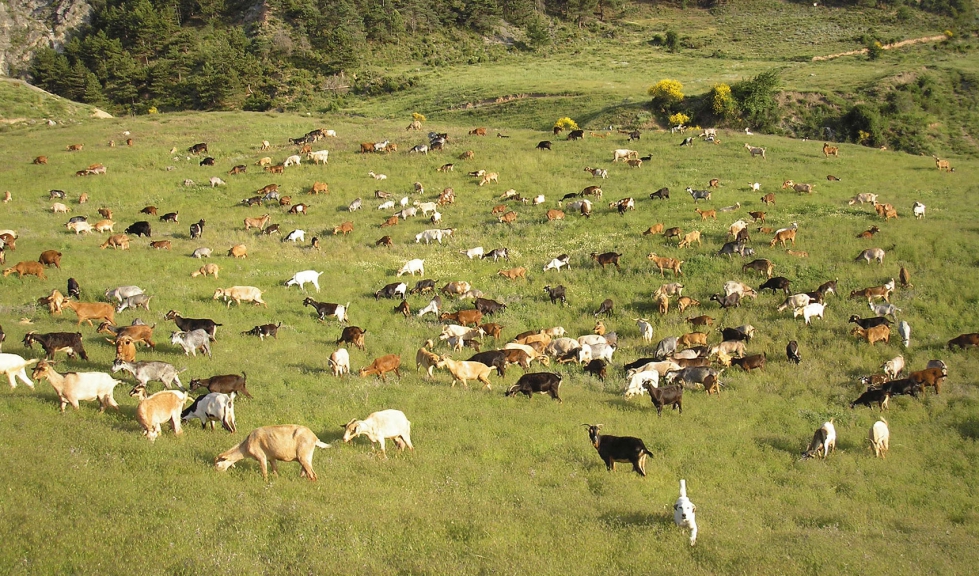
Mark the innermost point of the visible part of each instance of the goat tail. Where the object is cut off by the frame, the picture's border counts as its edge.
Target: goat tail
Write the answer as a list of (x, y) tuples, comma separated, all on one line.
[(683, 488), (322, 444)]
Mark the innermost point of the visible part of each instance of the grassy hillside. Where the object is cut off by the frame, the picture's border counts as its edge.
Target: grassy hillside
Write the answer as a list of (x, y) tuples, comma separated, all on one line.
[(23, 103), (495, 484)]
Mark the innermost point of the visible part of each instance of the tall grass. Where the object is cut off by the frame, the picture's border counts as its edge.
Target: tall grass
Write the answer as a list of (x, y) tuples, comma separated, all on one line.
[(495, 484)]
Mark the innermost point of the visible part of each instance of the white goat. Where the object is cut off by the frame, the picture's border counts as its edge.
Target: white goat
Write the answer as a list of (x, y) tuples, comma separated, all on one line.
[(340, 362), (14, 366), (432, 307), (412, 266), (645, 329), (476, 252), (301, 278), (809, 311), (919, 210), (380, 426), (894, 367), (880, 438), (73, 387), (213, 407), (637, 380)]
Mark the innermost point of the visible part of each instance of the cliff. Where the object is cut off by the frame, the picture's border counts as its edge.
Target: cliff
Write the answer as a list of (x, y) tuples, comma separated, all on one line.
[(26, 25)]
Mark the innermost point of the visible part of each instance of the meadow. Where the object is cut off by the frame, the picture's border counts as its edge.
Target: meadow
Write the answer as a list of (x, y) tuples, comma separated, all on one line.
[(495, 484)]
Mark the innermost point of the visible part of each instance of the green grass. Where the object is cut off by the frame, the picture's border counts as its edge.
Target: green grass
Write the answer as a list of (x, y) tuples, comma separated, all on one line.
[(501, 485)]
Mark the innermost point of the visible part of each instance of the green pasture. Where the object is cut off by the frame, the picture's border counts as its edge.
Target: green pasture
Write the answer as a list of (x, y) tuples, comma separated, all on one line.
[(495, 484)]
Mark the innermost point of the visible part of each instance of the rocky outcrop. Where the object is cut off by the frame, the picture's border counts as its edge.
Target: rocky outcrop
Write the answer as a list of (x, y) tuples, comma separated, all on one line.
[(26, 25)]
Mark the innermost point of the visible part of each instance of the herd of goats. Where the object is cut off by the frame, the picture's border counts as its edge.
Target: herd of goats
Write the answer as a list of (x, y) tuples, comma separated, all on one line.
[(677, 363)]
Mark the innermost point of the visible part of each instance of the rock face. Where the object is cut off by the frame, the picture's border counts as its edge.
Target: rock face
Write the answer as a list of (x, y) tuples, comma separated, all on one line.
[(26, 25)]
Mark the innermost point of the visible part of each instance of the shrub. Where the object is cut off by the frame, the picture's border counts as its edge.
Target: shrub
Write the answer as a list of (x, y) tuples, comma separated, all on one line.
[(672, 41), (679, 119), (667, 94), (417, 116), (874, 50), (863, 125), (566, 124), (722, 103), (756, 100)]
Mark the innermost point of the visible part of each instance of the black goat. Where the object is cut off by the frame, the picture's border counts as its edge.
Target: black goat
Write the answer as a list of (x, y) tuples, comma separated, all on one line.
[(265, 330), (70, 342), (607, 307), (556, 294), (492, 358), (665, 396), (729, 301), (866, 323), (776, 283), (537, 382), (612, 449), (873, 396), (191, 324), (792, 352)]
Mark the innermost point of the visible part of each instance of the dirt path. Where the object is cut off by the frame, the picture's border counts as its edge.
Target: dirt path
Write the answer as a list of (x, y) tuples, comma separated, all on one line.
[(900, 44)]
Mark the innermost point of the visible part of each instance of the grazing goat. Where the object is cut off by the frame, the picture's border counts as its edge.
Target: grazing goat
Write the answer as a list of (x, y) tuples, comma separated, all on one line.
[(340, 362), (225, 383), (189, 324), (538, 382), (269, 444), (301, 278), (823, 441), (880, 438), (324, 309), (383, 365), (871, 254), (964, 341), (380, 426)]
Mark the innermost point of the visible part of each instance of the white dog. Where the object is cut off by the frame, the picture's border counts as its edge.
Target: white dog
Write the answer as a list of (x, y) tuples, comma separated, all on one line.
[(684, 513)]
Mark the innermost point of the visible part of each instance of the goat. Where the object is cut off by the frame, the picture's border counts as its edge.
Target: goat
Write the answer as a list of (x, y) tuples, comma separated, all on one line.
[(146, 372), (380, 426), (880, 437), (612, 449), (225, 383), (73, 387), (324, 309), (70, 342), (340, 362), (823, 441), (537, 382), (301, 278), (666, 263), (383, 365), (465, 370), (213, 407), (153, 411), (269, 444), (192, 341), (666, 396), (190, 324)]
